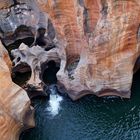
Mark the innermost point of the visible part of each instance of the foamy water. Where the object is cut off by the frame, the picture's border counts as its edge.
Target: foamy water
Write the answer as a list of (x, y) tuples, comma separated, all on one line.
[(54, 102), (90, 118)]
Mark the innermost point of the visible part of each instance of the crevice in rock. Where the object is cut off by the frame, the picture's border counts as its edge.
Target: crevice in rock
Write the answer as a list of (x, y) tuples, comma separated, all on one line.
[(72, 66), (136, 75), (22, 34), (21, 74), (137, 65), (81, 2), (138, 34), (44, 41), (49, 70), (40, 40), (85, 16), (28, 41), (51, 30), (86, 21), (104, 8)]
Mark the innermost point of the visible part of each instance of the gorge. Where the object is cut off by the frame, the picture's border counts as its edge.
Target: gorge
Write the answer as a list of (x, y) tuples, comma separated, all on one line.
[(78, 47)]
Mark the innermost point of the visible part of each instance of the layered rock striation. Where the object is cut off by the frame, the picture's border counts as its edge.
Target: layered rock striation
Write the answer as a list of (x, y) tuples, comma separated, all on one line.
[(101, 41), (16, 114), (95, 42)]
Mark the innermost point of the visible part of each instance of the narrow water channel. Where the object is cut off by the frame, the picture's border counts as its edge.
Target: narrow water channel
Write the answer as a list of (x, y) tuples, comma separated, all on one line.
[(90, 118)]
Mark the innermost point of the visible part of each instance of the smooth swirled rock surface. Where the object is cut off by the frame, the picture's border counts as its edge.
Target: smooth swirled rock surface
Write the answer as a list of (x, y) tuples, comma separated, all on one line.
[(98, 41), (16, 114), (101, 38)]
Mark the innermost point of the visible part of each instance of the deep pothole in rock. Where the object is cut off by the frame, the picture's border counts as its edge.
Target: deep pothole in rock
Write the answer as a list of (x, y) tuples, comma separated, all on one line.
[(49, 71), (21, 74)]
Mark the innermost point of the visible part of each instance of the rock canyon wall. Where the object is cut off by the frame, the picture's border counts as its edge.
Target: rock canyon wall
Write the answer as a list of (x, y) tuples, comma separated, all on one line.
[(101, 41), (16, 114), (94, 42)]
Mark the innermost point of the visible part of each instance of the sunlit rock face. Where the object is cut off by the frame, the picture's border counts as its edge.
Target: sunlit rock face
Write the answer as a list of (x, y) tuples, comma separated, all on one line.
[(101, 38), (96, 42), (16, 114)]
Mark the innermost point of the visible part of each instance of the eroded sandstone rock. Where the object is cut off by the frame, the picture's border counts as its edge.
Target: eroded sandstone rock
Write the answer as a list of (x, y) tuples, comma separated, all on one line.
[(34, 57), (103, 35), (16, 114), (98, 44)]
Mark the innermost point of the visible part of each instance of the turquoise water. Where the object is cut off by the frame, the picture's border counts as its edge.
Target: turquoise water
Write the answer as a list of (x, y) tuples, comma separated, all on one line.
[(89, 118)]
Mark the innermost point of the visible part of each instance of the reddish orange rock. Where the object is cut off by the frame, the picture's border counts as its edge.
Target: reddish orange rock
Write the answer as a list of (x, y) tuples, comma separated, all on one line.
[(104, 36), (15, 111)]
